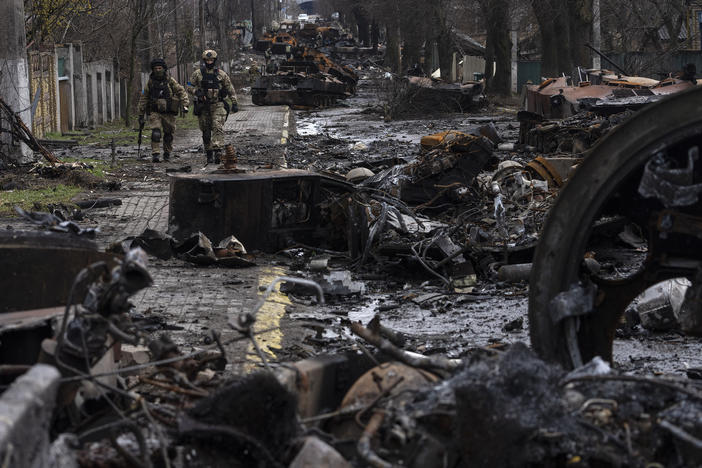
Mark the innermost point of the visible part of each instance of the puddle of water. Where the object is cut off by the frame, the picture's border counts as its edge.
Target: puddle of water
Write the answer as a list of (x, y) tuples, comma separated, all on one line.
[(308, 128), (365, 313), (269, 316)]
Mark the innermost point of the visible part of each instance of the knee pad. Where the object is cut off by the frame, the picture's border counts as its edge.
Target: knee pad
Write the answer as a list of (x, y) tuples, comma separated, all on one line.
[(168, 138), (156, 135), (206, 136)]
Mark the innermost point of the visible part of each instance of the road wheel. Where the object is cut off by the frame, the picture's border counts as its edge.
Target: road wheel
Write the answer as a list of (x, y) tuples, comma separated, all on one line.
[(573, 312)]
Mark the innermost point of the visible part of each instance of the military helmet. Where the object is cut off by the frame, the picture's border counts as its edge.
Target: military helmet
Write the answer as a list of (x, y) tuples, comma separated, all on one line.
[(209, 54), (158, 62)]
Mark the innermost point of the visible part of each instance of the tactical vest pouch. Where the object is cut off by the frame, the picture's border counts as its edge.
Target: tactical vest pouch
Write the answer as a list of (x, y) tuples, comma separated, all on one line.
[(212, 95), (173, 107), (162, 105)]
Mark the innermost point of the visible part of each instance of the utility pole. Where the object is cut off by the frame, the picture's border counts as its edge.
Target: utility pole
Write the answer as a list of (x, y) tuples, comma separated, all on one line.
[(596, 34), (14, 78)]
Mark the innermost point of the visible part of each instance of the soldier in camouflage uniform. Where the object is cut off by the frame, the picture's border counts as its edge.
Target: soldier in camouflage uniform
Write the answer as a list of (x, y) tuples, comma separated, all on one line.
[(162, 100), (210, 86)]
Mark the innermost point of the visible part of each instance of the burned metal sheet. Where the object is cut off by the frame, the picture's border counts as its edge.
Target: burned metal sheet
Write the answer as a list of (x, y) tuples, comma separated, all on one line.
[(40, 267), (445, 171), (558, 98), (21, 334), (264, 210)]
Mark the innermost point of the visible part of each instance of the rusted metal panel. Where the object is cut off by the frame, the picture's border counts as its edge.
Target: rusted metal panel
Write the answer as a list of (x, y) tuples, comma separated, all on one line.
[(555, 98), (264, 210), (22, 332), (28, 318), (39, 267)]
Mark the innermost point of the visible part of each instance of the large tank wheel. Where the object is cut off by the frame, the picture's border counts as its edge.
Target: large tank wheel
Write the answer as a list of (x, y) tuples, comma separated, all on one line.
[(573, 311)]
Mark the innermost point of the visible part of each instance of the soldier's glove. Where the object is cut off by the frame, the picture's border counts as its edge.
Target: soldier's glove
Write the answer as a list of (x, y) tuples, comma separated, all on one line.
[(235, 107), (141, 120), (200, 95), (185, 109)]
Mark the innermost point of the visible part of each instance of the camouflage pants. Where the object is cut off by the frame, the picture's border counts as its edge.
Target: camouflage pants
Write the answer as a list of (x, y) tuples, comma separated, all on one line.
[(166, 126), (211, 122)]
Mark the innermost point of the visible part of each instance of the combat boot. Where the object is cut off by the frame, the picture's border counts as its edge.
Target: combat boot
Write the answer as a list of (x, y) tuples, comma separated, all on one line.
[(154, 157), (166, 156), (210, 157), (217, 155)]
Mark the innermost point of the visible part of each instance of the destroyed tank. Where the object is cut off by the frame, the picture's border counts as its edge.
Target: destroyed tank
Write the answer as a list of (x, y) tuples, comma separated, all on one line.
[(308, 79)]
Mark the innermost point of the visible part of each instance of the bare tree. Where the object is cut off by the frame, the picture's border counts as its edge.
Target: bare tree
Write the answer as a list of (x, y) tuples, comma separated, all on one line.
[(498, 46), (139, 13), (565, 27)]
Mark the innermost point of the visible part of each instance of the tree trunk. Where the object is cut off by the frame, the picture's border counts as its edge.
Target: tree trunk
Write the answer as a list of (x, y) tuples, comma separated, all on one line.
[(363, 27), (222, 35), (565, 27), (142, 12), (412, 40), (392, 51), (375, 35), (176, 38), (203, 36), (498, 47), (445, 53), (130, 78), (580, 32), (442, 36)]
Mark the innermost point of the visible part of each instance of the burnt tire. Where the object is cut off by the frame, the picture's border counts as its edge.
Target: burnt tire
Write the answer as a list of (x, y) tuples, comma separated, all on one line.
[(559, 254)]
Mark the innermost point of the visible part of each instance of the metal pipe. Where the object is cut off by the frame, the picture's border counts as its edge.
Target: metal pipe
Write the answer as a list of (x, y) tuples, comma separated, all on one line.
[(606, 58)]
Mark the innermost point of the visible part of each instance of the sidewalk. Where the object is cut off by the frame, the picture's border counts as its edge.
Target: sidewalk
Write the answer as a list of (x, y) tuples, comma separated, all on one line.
[(267, 125), (145, 205)]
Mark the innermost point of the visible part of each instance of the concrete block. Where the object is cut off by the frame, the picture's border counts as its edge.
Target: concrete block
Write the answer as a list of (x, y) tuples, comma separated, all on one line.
[(62, 453), (322, 381), (317, 454), (25, 416), (134, 355)]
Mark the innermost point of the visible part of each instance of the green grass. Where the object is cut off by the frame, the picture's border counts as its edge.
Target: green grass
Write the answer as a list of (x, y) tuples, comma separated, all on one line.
[(58, 136), (36, 199), (188, 122), (99, 166), (123, 136), (103, 135)]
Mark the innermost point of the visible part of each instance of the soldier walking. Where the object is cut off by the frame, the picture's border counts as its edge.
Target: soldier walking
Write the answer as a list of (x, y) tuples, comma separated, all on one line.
[(162, 100), (210, 87)]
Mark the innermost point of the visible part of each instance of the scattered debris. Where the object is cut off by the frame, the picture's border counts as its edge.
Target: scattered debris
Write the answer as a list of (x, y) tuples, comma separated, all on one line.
[(21, 133)]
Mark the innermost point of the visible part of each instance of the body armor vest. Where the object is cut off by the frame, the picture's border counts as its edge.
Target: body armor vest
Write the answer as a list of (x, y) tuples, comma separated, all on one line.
[(161, 97), (211, 85)]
